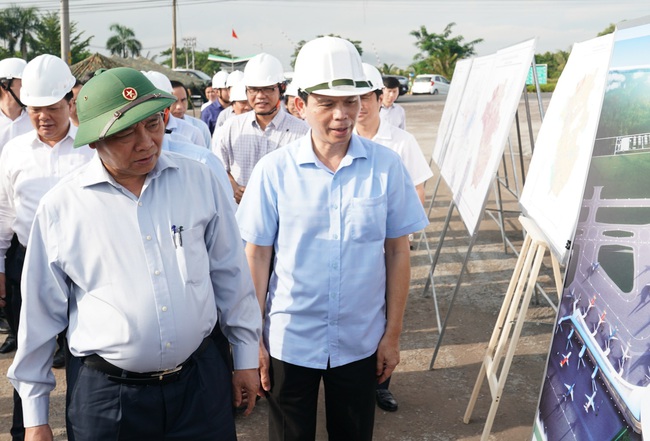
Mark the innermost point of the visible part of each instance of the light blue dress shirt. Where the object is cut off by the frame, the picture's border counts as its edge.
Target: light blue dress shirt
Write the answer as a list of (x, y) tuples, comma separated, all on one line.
[(204, 156), (138, 296), (327, 292)]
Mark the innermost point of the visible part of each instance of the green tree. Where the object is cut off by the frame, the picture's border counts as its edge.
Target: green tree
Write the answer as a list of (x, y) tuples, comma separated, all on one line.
[(301, 43), (389, 69), (16, 27), (608, 30), (555, 62), (439, 52), (201, 61), (48, 38), (123, 42)]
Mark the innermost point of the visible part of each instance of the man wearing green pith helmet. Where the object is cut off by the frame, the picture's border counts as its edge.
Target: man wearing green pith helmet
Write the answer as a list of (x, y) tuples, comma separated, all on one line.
[(138, 253)]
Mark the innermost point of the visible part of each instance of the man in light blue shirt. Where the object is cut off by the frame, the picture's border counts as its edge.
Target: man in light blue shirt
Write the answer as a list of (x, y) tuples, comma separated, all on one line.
[(337, 210), (137, 253)]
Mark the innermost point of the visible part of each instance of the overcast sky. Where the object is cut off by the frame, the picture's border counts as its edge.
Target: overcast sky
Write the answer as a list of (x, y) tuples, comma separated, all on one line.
[(383, 27)]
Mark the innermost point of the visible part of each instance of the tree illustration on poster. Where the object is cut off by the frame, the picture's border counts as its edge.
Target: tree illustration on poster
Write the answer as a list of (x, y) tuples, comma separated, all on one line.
[(597, 379)]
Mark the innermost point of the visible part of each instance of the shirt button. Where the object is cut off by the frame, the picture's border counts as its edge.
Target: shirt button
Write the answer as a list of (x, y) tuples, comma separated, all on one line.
[(148, 237), (164, 309), (333, 295), (335, 236), (139, 203), (157, 272), (335, 207), (335, 265), (168, 345)]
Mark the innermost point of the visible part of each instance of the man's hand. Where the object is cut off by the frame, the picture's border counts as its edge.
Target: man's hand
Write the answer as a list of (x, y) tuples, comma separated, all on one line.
[(38, 433), (265, 364), (245, 384), (3, 290), (239, 193), (387, 357)]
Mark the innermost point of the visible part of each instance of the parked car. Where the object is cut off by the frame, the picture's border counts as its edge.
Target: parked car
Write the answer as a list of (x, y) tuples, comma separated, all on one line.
[(430, 83), (403, 83), (195, 73)]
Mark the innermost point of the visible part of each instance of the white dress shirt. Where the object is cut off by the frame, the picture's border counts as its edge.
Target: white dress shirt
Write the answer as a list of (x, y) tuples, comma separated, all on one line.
[(135, 294), (28, 169), (180, 127), (10, 128), (202, 127), (406, 146)]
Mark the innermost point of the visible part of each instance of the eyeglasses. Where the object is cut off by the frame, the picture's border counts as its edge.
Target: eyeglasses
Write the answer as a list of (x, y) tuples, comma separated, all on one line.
[(263, 90)]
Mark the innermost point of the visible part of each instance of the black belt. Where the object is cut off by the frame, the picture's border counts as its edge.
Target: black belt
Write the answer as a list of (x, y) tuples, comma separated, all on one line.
[(122, 376)]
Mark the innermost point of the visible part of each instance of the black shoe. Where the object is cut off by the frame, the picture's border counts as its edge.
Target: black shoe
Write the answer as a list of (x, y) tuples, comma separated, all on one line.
[(386, 401), (4, 326), (9, 345), (59, 359)]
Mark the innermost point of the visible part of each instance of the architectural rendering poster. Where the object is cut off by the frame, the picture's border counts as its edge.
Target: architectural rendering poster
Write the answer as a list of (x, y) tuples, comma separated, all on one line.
[(495, 110), (456, 89), (597, 383), (558, 168)]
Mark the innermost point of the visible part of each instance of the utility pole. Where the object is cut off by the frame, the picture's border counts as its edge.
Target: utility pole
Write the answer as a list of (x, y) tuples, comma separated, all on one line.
[(65, 32), (173, 34), (189, 43)]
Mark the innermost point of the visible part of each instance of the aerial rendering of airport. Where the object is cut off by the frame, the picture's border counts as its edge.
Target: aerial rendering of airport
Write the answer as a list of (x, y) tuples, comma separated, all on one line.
[(597, 384)]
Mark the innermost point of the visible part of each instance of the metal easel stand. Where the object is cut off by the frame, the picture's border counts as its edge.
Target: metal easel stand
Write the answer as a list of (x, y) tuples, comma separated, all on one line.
[(443, 327), (513, 312)]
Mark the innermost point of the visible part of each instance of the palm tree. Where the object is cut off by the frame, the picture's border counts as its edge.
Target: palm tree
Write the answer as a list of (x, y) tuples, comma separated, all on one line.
[(16, 27), (123, 42)]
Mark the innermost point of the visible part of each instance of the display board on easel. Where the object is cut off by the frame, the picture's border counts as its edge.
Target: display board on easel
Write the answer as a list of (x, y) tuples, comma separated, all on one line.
[(450, 112), (555, 185), (487, 111), (597, 382), (558, 168)]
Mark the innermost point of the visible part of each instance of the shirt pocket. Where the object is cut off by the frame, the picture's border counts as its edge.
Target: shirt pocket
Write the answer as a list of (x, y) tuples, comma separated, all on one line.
[(192, 256), (368, 219)]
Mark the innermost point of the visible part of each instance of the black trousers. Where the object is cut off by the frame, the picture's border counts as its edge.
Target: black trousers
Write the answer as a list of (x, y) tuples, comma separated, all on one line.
[(14, 260), (197, 407), (349, 401)]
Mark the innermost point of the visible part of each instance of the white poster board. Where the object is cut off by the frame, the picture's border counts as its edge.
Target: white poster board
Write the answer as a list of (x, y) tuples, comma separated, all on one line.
[(457, 149), (495, 99), (452, 103), (558, 169)]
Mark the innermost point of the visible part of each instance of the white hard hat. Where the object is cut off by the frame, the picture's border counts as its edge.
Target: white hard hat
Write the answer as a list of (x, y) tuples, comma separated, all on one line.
[(330, 66), (12, 68), (159, 80), (373, 76), (292, 89), (236, 76), (46, 80), (219, 80), (263, 70), (238, 92)]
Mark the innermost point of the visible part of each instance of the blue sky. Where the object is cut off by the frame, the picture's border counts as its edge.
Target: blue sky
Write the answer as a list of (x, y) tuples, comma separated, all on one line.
[(383, 27)]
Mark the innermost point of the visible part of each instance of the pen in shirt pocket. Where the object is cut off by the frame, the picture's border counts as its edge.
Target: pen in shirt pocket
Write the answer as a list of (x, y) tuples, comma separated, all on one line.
[(177, 235)]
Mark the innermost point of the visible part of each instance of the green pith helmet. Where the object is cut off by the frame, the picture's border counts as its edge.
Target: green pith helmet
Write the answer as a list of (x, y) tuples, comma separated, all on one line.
[(115, 99)]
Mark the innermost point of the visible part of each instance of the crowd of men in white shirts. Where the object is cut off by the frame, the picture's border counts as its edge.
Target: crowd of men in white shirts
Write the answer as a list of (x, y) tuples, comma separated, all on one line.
[(248, 115)]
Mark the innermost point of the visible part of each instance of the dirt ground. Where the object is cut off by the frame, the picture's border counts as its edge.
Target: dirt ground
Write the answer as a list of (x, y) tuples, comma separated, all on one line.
[(432, 402)]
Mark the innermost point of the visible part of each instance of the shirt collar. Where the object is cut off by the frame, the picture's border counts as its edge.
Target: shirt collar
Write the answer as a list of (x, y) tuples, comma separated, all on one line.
[(72, 132), (275, 122), (172, 124), (96, 173), (383, 132), (306, 155)]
